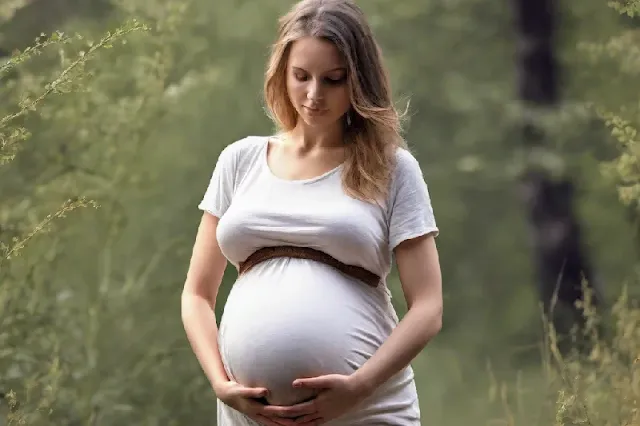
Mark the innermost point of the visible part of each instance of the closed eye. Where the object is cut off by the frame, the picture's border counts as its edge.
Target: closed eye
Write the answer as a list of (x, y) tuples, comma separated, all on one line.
[(334, 80), (328, 80)]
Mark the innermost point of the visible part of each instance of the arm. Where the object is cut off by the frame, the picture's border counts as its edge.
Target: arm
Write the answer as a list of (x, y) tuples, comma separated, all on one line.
[(198, 300), (419, 270)]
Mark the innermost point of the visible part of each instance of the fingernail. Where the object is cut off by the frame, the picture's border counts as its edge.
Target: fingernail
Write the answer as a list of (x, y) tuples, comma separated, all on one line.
[(297, 384)]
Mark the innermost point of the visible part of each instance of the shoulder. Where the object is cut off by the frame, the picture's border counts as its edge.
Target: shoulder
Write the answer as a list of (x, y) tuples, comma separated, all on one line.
[(406, 166), (241, 152), (247, 146), (404, 157), (410, 209)]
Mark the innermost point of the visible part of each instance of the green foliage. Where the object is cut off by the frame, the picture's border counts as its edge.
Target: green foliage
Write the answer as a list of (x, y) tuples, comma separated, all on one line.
[(86, 112), (616, 106), (630, 8), (601, 387), (89, 327), (32, 352), (624, 169), (598, 382)]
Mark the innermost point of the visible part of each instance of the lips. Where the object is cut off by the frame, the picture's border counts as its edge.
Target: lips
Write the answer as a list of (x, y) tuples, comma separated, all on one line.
[(315, 111)]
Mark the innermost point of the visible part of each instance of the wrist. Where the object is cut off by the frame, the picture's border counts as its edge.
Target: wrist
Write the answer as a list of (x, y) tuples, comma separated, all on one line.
[(362, 384), (218, 384)]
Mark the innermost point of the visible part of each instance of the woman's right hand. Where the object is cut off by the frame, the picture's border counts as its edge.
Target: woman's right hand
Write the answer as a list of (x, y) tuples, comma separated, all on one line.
[(245, 400)]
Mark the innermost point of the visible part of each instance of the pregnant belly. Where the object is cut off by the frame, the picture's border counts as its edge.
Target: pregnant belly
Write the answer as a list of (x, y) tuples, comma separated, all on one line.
[(291, 318)]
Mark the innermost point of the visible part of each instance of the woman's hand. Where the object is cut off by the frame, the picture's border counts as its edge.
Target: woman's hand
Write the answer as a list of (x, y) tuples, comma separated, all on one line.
[(244, 400), (338, 394)]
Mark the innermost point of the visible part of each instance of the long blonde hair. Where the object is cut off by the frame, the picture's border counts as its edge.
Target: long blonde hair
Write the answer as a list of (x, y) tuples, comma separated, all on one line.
[(375, 126)]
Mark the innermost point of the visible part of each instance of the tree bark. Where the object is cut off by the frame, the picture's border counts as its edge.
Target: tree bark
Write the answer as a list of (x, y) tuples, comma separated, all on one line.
[(560, 258)]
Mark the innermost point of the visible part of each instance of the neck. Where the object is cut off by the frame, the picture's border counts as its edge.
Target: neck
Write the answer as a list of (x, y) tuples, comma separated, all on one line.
[(308, 138)]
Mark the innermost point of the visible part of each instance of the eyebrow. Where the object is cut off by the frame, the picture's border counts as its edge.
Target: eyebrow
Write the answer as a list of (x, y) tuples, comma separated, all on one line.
[(331, 70)]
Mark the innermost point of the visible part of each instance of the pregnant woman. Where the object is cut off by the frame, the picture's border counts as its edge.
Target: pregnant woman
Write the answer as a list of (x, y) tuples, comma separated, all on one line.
[(312, 218)]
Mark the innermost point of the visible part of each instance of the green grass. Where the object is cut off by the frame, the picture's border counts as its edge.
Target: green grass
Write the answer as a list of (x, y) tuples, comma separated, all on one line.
[(598, 385)]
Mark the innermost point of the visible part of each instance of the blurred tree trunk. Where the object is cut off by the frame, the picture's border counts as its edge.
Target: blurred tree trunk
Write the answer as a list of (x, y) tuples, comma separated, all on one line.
[(561, 261)]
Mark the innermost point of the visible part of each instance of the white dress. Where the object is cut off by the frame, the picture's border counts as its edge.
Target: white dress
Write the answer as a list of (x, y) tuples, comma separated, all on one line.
[(290, 318)]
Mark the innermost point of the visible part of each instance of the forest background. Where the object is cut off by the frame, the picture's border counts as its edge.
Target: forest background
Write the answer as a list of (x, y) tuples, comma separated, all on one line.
[(113, 113)]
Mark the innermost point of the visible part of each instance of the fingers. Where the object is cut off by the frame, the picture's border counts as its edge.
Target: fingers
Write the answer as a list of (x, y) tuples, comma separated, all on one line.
[(258, 413), (310, 420), (320, 382), (253, 392), (302, 414), (302, 409), (266, 421), (257, 409)]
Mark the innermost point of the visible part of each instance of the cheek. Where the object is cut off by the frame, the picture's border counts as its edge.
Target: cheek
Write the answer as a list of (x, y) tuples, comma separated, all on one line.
[(341, 99), (295, 90)]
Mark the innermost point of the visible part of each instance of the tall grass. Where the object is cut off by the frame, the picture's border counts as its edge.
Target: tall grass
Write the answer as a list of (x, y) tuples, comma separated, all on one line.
[(598, 382)]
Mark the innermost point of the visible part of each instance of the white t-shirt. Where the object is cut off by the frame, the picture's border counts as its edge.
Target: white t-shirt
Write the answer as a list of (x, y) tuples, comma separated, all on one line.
[(267, 210), (288, 318)]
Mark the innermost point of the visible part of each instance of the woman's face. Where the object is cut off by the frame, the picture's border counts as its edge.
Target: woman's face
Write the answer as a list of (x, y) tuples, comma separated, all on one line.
[(317, 82)]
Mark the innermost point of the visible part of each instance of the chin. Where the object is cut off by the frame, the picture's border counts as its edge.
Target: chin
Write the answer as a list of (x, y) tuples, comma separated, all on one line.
[(316, 123), (319, 120)]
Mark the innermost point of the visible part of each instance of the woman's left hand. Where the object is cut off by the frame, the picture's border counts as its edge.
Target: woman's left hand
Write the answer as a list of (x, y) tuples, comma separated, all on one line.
[(337, 394)]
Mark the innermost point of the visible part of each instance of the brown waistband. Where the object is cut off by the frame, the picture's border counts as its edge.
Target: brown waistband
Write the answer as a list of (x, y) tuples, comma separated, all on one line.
[(266, 253)]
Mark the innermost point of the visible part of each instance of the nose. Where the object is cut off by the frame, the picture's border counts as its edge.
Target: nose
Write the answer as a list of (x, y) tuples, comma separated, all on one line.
[(314, 93)]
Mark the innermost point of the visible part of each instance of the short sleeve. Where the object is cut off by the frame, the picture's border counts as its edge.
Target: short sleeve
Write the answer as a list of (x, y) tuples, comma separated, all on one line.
[(411, 213), (217, 197)]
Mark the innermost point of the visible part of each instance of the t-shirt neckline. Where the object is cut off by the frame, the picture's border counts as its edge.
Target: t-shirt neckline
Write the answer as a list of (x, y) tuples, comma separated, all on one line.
[(265, 164)]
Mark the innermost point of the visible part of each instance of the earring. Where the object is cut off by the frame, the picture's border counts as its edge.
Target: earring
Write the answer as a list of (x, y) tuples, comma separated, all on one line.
[(349, 119)]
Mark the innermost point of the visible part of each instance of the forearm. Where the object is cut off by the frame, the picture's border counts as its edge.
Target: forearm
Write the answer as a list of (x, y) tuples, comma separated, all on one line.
[(421, 323), (200, 326)]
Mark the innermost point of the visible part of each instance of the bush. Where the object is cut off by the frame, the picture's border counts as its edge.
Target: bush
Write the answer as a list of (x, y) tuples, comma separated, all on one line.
[(598, 382), (602, 386), (32, 361)]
